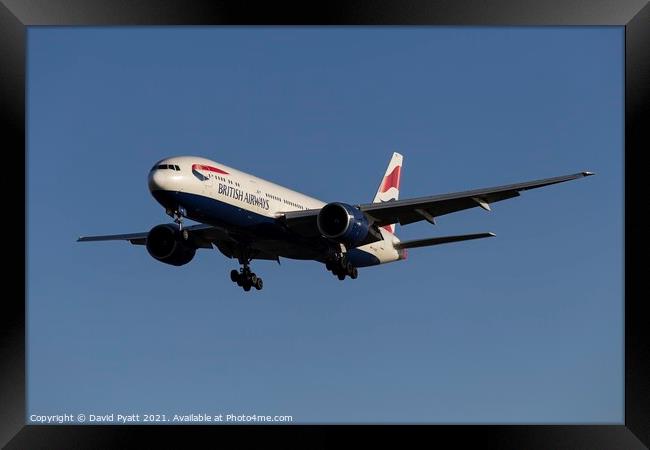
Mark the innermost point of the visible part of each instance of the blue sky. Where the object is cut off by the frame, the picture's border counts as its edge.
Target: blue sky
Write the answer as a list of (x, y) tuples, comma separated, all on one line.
[(526, 327)]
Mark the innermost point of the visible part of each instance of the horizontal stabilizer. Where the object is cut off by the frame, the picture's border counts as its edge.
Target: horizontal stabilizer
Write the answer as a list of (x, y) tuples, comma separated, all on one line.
[(441, 240)]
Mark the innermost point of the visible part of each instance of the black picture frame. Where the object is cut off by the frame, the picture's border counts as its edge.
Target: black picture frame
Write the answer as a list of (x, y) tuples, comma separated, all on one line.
[(634, 15)]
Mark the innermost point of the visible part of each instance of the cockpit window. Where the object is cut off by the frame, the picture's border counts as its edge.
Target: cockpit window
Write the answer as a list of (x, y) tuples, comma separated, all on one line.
[(166, 166)]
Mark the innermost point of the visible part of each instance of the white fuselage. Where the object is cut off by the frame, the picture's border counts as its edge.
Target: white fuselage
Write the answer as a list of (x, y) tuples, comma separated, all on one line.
[(223, 196)]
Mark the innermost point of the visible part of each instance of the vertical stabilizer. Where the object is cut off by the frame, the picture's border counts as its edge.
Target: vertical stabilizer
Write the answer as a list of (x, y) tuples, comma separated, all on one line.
[(389, 186)]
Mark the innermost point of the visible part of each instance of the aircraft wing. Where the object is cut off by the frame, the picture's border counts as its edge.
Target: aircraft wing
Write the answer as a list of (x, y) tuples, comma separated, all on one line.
[(203, 236), (133, 238), (428, 208), (413, 210)]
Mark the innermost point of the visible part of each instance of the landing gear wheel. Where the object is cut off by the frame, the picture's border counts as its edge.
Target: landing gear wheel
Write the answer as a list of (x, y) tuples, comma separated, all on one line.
[(341, 276), (354, 273), (244, 277)]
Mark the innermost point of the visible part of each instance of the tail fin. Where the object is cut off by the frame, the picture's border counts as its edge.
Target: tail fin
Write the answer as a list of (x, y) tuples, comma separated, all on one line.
[(389, 186)]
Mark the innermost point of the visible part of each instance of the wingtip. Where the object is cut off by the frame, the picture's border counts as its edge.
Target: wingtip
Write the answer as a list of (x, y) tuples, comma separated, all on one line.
[(587, 174), (491, 234)]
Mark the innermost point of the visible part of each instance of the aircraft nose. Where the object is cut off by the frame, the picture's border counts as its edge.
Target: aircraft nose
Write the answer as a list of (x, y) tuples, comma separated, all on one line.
[(164, 180), (157, 180)]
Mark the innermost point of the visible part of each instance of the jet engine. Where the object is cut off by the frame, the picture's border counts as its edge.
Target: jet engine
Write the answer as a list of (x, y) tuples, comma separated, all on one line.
[(343, 223), (168, 244)]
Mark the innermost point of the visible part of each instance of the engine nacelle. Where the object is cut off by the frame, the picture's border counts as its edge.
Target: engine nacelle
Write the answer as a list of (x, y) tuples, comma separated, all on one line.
[(166, 244), (343, 223)]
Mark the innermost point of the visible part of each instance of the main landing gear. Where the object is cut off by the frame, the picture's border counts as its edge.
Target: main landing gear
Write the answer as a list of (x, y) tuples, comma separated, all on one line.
[(246, 279), (341, 268)]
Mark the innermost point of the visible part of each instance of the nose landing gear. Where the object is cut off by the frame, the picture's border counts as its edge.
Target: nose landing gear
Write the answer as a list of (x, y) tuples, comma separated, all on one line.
[(177, 215)]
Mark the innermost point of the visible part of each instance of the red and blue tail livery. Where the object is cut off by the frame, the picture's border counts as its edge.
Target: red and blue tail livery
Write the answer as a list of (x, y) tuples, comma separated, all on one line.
[(389, 187), (248, 218)]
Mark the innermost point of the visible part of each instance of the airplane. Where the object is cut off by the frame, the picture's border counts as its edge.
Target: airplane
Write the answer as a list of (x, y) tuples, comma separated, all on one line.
[(248, 218)]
